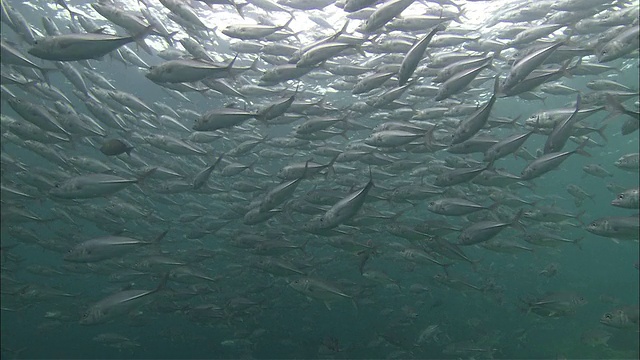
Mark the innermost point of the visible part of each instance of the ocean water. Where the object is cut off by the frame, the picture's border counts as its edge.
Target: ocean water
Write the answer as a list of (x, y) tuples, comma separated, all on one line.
[(233, 309)]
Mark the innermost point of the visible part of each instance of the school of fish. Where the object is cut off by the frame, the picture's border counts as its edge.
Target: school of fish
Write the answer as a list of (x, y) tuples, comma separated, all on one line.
[(419, 173)]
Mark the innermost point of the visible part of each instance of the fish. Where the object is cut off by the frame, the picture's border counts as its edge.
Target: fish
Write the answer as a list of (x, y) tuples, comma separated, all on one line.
[(201, 178), (476, 121), (556, 304), (222, 118), (485, 230), (251, 32), (93, 185), (341, 211), (340, 158), (107, 247), (455, 206), (526, 65), (561, 132), (118, 304), (625, 317), (320, 290), (74, 47), (628, 199), (384, 14), (548, 162), (629, 162), (185, 70), (616, 227), (415, 54), (113, 147), (622, 44)]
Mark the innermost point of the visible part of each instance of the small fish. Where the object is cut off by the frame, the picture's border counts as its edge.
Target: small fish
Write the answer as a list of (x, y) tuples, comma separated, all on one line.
[(114, 147), (107, 247), (93, 185)]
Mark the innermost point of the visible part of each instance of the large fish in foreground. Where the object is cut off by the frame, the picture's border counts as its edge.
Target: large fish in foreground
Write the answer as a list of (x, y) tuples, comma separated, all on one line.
[(73, 47)]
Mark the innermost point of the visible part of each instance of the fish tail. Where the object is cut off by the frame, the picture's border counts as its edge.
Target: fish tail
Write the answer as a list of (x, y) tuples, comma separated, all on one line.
[(329, 166), (580, 149), (45, 74), (139, 38), (169, 37), (146, 174), (516, 221), (73, 15), (341, 31), (163, 283), (239, 8), (615, 108), (600, 132), (565, 70), (286, 25)]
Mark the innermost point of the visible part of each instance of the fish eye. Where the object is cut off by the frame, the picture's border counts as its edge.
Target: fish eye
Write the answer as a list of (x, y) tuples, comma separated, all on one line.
[(594, 224), (621, 196), (607, 316)]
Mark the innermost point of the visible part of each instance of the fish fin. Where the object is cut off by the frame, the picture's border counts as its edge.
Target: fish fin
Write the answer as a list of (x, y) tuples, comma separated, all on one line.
[(160, 237), (286, 25), (326, 303), (254, 64), (516, 221), (163, 282), (99, 30), (580, 148)]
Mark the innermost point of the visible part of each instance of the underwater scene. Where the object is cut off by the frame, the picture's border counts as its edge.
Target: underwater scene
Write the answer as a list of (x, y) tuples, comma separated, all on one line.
[(320, 179)]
